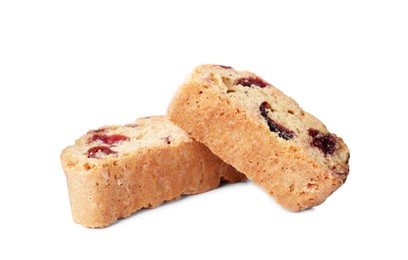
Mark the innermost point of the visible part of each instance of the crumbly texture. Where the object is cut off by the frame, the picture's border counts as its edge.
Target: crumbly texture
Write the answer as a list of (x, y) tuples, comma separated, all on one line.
[(145, 164), (263, 133)]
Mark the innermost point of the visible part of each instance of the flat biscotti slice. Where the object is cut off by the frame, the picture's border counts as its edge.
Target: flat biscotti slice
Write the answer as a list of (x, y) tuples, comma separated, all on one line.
[(263, 133), (116, 170)]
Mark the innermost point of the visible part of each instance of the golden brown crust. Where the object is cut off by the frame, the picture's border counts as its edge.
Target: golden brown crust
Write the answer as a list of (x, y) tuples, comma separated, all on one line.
[(102, 191), (293, 174)]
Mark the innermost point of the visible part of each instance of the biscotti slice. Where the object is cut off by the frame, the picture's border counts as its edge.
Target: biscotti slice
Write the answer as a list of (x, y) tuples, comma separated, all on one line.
[(263, 133), (116, 170)]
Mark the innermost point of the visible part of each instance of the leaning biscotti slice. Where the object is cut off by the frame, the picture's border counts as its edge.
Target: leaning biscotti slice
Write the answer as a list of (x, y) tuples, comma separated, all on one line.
[(263, 133), (116, 170)]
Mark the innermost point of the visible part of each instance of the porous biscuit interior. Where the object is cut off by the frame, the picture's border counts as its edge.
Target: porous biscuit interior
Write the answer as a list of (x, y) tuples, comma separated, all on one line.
[(250, 92), (154, 131)]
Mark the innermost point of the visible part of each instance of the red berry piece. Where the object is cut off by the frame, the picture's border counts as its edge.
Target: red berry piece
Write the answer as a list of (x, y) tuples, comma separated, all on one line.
[(282, 131), (166, 139), (325, 142), (97, 137), (93, 152), (100, 130), (224, 67), (108, 139), (112, 139), (248, 82)]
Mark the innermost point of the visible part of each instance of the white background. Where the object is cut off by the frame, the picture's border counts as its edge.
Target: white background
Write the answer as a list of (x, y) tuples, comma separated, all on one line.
[(70, 66)]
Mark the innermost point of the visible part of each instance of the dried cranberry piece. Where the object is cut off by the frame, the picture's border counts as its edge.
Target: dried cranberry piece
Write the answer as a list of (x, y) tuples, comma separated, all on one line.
[(112, 139), (100, 130), (167, 139), (225, 67), (93, 151), (108, 139), (247, 82), (325, 142), (282, 131), (97, 137)]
